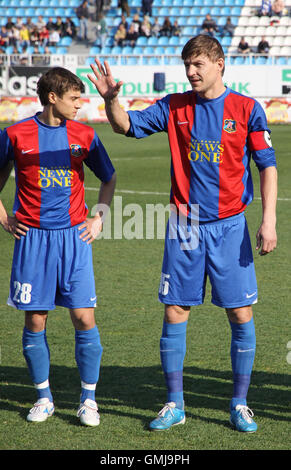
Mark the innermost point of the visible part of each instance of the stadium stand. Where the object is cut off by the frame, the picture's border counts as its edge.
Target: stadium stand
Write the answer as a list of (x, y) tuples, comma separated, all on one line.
[(152, 50)]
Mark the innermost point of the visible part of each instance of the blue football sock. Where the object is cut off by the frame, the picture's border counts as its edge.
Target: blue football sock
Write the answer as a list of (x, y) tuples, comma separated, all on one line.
[(88, 353), (37, 356), (243, 349), (172, 352)]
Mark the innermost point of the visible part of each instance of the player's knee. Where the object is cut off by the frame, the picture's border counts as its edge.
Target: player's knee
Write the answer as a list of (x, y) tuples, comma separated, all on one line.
[(176, 313)]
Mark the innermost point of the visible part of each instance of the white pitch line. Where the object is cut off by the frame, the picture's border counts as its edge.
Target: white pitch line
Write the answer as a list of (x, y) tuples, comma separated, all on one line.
[(145, 193)]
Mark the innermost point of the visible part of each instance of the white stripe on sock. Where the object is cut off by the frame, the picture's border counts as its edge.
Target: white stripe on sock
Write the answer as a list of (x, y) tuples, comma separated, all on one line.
[(42, 385), (88, 386)]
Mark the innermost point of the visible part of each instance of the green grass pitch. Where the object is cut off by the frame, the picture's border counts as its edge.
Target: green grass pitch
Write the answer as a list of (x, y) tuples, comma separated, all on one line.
[(131, 389)]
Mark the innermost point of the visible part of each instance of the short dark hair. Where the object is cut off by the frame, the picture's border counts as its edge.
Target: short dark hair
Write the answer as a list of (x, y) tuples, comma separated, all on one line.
[(58, 80), (203, 45)]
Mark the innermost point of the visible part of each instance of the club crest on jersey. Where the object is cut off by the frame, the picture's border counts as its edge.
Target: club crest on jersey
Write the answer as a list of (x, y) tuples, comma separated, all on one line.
[(76, 150), (229, 125)]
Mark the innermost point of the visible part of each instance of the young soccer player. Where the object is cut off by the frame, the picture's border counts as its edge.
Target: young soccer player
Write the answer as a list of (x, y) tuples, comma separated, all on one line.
[(213, 132), (52, 261)]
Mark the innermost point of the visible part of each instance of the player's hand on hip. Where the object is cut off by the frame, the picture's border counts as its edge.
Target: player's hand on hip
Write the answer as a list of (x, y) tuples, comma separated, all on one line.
[(92, 227), (16, 228), (266, 239), (104, 81)]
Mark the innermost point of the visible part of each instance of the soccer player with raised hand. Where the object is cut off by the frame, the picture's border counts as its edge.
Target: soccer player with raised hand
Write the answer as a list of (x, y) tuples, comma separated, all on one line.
[(213, 133)]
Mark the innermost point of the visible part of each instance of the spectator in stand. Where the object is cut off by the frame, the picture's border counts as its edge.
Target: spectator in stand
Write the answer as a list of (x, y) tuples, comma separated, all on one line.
[(243, 47), (101, 29), (59, 26), (4, 40), (18, 23), (23, 57), (24, 36), (54, 37), (9, 25), (137, 23), (146, 27), (146, 7), (131, 35), (43, 36), (83, 15), (228, 28), (34, 37), (156, 27), (99, 6), (263, 47), (209, 26), (265, 8), (15, 56), (15, 39), (29, 24), (123, 4), (50, 24), (124, 21), (46, 60), (166, 27), (176, 31), (278, 8), (40, 22), (120, 35), (69, 28)]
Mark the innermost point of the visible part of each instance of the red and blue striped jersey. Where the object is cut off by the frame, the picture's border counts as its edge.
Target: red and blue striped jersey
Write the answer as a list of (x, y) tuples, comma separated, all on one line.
[(49, 170), (211, 143)]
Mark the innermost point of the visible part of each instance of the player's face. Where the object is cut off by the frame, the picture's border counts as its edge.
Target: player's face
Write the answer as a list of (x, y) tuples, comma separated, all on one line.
[(67, 106), (204, 76)]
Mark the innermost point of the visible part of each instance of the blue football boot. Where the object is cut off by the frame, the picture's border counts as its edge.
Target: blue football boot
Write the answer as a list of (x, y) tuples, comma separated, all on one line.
[(169, 416), (241, 419)]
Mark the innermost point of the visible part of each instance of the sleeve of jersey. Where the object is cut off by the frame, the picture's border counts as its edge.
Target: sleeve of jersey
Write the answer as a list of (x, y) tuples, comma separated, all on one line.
[(6, 150), (150, 120), (98, 160), (259, 139)]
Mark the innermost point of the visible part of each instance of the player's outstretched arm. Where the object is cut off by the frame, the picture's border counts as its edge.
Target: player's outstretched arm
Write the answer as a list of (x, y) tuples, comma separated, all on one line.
[(108, 88), (266, 235)]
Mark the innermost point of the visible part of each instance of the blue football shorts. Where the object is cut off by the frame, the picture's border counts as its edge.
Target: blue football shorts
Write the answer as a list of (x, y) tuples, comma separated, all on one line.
[(220, 251), (52, 267)]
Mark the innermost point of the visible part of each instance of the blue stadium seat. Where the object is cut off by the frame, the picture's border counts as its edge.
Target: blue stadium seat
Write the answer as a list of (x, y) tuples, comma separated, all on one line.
[(127, 50), (170, 50), (149, 50), (215, 11), (235, 11), (116, 50), (61, 50), (163, 41), (192, 21), (65, 41), (153, 61), (185, 11), (142, 41), (138, 50), (226, 11), (24, 3), (152, 41), (132, 61), (174, 41), (105, 50), (159, 50), (205, 10), (226, 41), (94, 50), (164, 11), (89, 60), (260, 60), (175, 11)]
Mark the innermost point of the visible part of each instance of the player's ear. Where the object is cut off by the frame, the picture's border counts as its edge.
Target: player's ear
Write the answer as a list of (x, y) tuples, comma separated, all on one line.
[(221, 65), (52, 97)]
